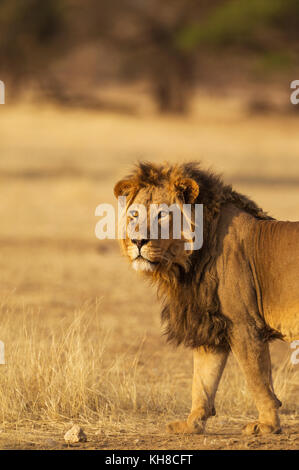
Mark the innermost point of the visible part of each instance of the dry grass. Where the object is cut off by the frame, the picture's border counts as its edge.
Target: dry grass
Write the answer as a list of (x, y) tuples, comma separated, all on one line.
[(81, 331), (68, 373)]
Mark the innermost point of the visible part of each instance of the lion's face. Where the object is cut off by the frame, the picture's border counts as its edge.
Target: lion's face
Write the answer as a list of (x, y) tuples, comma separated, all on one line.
[(148, 254), (154, 254)]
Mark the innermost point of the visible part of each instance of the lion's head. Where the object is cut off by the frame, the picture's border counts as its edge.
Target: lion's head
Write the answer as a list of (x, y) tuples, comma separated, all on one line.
[(156, 188)]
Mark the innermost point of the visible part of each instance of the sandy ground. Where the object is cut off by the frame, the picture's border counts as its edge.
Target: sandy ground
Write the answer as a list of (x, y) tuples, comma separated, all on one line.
[(220, 435)]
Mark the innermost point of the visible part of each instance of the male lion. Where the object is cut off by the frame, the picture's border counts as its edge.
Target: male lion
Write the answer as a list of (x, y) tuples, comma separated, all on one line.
[(236, 293)]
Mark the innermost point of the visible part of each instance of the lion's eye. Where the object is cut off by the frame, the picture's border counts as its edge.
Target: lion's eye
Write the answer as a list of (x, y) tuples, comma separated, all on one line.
[(133, 214), (162, 214)]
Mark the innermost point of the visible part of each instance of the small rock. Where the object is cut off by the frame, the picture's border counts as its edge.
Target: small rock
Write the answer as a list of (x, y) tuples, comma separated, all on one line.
[(75, 434), (51, 442)]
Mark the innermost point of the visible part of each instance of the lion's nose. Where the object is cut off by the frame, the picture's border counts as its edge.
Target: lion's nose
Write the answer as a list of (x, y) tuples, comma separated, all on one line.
[(140, 243)]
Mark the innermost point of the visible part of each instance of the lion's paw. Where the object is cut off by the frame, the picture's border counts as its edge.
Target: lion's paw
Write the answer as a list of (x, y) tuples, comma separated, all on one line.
[(257, 428), (182, 427)]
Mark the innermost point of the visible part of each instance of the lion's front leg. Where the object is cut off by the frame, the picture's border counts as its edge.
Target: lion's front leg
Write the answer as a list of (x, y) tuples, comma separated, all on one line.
[(208, 369)]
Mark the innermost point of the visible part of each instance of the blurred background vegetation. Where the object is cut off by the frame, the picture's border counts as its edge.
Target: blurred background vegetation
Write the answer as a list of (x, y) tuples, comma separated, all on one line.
[(70, 51)]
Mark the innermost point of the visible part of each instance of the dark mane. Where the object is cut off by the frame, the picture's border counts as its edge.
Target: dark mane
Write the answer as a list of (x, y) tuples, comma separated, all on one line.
[(191, 312), (213, 192)]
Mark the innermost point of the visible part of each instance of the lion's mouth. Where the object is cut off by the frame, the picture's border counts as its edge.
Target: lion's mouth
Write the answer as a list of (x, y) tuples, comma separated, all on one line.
[(140, 257), (143, 264)]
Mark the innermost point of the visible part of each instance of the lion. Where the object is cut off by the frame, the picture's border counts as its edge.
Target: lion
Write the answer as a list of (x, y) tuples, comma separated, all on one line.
[(236, 294)]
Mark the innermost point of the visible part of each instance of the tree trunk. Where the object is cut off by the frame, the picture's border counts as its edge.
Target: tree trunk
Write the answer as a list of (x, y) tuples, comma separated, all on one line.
[(173, 85)]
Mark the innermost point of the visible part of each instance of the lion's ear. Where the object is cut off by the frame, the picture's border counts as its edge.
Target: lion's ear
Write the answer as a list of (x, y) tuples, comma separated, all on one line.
[(187, 189), (123, 188)]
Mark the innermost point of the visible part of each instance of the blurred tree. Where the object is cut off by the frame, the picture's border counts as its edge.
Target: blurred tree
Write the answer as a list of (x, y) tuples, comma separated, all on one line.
[(245, 24), (163, 41), (145, 34), (160, 41), (30, 38)]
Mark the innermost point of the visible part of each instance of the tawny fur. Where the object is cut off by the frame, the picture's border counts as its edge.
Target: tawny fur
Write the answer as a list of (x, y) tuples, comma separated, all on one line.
[(191, 312), (236, 293)]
